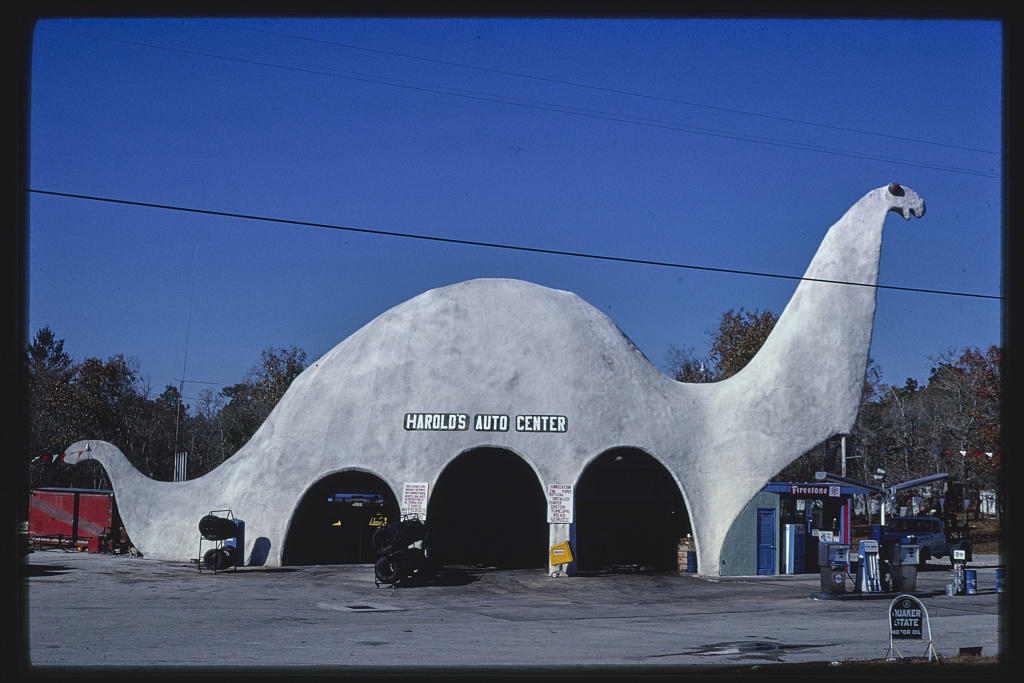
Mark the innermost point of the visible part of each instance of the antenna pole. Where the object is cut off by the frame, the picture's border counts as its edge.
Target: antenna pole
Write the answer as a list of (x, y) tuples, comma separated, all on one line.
[(188, 329)]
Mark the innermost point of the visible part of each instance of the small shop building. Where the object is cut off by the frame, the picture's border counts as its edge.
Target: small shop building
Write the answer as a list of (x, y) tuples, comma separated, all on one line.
[(779, 530)]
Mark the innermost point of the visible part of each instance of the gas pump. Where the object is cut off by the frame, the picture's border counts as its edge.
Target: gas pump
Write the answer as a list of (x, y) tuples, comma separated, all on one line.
[(959, 572), (898, 557), (833, 559), (905, 558), (869, 578)]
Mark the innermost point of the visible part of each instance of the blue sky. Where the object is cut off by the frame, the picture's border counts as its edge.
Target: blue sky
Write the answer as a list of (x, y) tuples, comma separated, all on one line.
[(730, 144)]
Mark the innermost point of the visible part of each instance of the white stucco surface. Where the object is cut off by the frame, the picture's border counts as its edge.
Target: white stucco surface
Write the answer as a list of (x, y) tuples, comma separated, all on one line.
[(512, 348)]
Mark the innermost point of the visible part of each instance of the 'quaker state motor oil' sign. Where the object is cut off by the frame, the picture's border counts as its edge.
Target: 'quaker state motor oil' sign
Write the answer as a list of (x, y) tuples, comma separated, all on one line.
[(906, 618)]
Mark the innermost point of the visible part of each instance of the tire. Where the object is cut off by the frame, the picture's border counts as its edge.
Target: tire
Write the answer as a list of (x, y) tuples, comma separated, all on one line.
[(211, 559), (228, 556), (215, 528), (219, 559), (404, 534), (388, 570), (398, 536), (381, 541)]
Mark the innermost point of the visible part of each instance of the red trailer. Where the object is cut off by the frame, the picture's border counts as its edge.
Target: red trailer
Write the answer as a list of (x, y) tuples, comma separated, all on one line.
[(76, 519)]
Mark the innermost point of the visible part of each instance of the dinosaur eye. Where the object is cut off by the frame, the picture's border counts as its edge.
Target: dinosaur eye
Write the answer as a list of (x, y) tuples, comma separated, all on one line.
[(895, 189)]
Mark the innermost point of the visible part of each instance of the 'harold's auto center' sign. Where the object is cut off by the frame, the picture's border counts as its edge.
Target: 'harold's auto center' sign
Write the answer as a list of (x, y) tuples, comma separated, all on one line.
[(460, 422)]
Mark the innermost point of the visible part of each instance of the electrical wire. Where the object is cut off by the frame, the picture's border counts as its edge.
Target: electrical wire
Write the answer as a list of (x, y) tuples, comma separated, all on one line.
[(575, 84), (530, 104), (494, 245)]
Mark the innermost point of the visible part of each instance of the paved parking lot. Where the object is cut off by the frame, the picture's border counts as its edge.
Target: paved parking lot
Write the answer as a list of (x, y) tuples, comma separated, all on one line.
[(84, 612)]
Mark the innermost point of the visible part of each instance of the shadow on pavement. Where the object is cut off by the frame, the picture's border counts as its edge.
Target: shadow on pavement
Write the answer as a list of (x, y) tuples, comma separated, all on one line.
[(33, 570), (444, 576)]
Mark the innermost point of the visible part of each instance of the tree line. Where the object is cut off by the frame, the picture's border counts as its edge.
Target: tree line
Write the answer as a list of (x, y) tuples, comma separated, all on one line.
[(950, 424), (110, 400)]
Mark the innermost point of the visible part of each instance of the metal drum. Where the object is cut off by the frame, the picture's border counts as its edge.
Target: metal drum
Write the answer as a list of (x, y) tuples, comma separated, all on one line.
[(972, 581)]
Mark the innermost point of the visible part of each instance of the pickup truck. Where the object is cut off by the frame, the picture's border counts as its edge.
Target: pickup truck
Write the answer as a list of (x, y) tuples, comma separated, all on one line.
[(931, 533)]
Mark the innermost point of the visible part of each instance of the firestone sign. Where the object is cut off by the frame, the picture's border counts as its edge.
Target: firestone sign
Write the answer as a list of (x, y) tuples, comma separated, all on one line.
[(815, 490), (460, 422)]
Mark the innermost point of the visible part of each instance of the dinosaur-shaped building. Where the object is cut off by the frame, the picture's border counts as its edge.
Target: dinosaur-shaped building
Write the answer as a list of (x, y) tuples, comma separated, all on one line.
[(506, 366)]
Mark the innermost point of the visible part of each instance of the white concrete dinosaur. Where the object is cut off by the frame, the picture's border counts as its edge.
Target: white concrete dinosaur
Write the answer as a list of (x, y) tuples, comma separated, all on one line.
[(510, 347)]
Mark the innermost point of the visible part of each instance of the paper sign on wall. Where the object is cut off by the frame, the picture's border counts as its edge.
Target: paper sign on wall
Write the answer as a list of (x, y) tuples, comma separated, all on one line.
[(414, 500), (560, 504)]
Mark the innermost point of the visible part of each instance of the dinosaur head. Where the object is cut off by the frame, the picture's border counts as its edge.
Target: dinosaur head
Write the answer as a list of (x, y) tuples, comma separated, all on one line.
[(904, 201), (77, 452)]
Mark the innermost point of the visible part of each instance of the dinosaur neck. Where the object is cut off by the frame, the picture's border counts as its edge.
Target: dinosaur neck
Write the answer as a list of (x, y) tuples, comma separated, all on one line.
[(811, 368), (124, 477)]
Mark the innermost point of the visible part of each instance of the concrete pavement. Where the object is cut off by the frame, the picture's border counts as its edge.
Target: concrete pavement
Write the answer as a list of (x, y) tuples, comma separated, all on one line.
[(86, 612)]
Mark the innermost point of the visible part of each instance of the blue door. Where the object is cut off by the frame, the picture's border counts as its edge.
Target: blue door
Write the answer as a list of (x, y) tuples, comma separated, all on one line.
[(766, 540)]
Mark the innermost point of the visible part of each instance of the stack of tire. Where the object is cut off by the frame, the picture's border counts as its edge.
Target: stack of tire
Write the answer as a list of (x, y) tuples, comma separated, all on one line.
[(399, 559), (215, 528)]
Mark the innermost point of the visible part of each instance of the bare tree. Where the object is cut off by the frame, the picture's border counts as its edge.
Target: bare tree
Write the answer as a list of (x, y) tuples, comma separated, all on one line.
[(684, 366), (963, 400)]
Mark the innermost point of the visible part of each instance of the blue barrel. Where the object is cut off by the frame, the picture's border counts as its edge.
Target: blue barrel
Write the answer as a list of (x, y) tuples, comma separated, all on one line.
[(691, 561), (972, 581), (1000, 581)]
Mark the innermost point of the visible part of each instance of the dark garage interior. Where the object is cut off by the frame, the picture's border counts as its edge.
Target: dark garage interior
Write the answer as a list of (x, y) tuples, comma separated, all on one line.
[(488, 509), (332, 523), (629, 514)]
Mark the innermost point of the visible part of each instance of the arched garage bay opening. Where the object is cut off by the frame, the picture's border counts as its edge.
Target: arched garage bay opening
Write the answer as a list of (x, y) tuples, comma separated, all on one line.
[(629, 513), (488, 508), (332, 522)]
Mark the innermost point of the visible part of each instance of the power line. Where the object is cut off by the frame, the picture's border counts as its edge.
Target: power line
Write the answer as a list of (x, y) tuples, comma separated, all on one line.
[(530, 104), (596, 88), (494, 245)]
